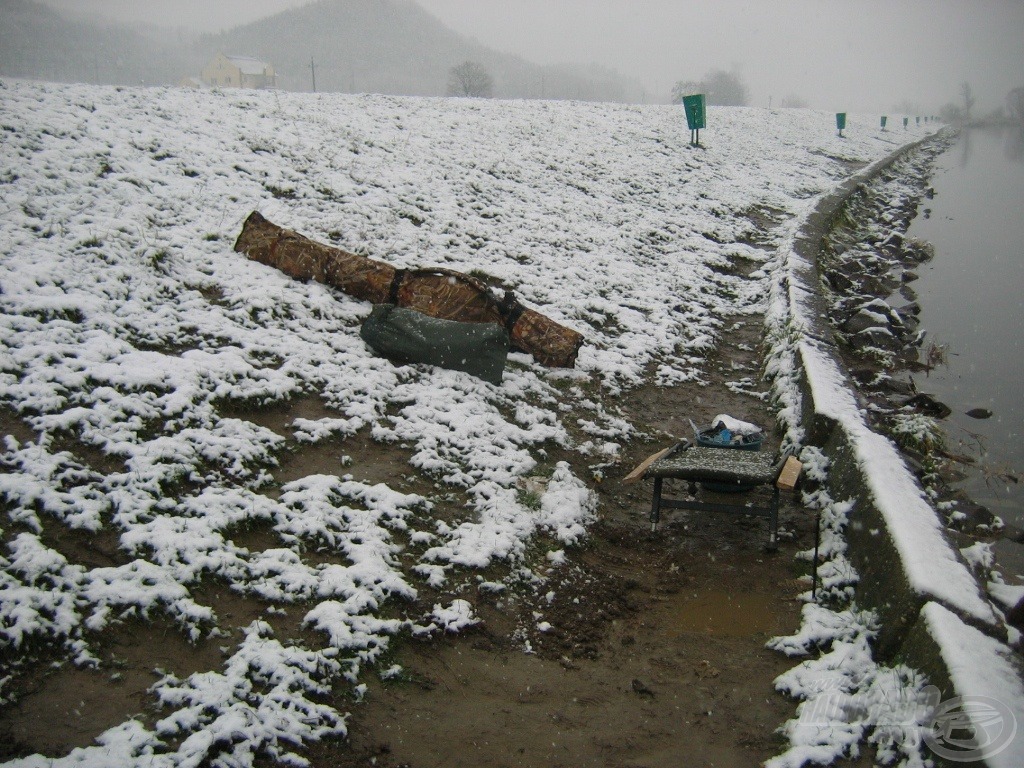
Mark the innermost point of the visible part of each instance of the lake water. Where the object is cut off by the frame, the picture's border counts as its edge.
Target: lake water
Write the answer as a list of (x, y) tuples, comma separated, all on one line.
[(972, 299)]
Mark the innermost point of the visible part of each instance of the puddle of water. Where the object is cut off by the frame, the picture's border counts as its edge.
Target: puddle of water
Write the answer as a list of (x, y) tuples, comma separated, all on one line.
[(724, 614)]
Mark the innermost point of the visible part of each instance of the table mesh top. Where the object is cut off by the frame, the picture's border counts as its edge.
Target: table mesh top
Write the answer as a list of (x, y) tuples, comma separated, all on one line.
[(716, 464)]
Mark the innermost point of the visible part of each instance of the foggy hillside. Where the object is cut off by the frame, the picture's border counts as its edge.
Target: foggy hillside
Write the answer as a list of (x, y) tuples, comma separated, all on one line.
[(376, 46), (394, 46), (37, 42)]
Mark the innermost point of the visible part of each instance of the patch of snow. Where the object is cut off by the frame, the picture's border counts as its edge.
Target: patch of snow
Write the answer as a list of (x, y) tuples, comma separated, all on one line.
[(567, 505), (129, 743), (454, 617), (556, 557), (979, 556), (847, 699), (1007, 595)]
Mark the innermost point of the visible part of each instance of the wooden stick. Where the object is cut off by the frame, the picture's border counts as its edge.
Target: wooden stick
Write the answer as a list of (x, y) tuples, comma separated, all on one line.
[(638, 473)]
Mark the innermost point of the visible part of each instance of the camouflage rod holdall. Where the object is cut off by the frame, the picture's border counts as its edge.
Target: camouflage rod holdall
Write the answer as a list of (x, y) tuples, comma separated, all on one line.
[(441, 293)]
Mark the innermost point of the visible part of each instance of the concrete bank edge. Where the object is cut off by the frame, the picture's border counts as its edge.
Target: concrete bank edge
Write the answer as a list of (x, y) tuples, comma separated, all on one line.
[(909, 571), (967, 666)]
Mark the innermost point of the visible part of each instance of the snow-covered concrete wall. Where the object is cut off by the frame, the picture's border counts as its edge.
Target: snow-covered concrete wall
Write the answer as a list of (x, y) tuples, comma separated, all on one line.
[(933, 612), (968, 667)]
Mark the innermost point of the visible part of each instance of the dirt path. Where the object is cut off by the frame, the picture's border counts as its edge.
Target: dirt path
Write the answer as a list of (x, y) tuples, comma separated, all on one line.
[(673, 670), (656, 654)]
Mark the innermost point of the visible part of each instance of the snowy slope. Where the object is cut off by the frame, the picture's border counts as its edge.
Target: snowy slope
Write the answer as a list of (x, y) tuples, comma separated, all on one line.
[(128, 321)]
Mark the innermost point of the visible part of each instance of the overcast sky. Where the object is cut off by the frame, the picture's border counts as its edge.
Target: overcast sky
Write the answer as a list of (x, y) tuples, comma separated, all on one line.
[(856, 55)]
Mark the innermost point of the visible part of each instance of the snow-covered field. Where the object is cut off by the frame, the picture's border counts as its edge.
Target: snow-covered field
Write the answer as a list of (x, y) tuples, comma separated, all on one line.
[(129, 326)]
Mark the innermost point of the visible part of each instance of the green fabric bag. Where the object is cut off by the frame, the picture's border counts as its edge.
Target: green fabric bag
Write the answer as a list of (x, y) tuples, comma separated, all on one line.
[(406, 336)]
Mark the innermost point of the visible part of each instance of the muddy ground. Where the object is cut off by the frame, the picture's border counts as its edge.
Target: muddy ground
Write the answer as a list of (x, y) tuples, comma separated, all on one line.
[(655, 656)]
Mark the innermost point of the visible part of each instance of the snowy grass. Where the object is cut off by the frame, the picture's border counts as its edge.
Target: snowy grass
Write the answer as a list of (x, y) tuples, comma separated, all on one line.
[(129, 330)]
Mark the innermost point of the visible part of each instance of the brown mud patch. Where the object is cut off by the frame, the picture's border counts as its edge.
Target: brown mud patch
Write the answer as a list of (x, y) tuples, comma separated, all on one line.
[(640, 649), (655, 657), (643, 649)]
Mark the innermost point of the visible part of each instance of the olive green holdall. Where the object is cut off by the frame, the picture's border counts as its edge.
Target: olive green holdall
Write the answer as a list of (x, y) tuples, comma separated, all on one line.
[(407, 336)]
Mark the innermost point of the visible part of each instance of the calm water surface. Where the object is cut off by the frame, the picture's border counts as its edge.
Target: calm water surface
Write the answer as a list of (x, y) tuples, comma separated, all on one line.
[(972, 299)]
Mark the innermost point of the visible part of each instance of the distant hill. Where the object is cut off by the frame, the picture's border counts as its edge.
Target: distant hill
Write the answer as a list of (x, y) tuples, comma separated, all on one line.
[(394, 46), (37, 42), (376, 46)]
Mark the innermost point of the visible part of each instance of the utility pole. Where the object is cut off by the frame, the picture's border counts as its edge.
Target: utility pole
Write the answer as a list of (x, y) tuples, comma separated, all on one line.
[(312, 68)]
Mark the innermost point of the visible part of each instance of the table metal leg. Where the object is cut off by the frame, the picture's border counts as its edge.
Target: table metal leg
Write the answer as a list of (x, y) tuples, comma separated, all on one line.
[(773, 521), (656, 504)]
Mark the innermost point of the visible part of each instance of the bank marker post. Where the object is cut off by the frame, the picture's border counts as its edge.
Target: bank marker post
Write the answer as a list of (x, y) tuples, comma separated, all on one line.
[(885, 119), (695, 116), (905, 121), (840, 122)]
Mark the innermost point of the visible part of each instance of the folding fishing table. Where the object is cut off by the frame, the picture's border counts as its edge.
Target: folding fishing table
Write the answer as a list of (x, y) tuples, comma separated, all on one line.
[(727, 471)]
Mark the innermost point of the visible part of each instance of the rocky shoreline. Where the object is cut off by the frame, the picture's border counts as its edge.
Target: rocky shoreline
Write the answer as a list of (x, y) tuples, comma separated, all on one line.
[(868, 266)]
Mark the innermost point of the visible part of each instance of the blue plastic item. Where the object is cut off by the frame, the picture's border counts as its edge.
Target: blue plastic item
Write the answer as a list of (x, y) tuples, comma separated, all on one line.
[(723, 438)]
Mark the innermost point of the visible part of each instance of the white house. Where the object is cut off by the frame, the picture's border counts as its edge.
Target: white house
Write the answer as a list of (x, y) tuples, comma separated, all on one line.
[(239, 72)]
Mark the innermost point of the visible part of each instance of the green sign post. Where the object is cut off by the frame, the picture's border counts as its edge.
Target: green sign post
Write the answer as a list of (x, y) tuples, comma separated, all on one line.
[(695, 116), (905, 121), (885, 118), (840, 122), (918, 119)]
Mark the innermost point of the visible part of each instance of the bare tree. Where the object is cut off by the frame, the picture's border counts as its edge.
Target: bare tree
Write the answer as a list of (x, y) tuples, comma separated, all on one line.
[(686, 88), (726, 89), (470, 79)]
